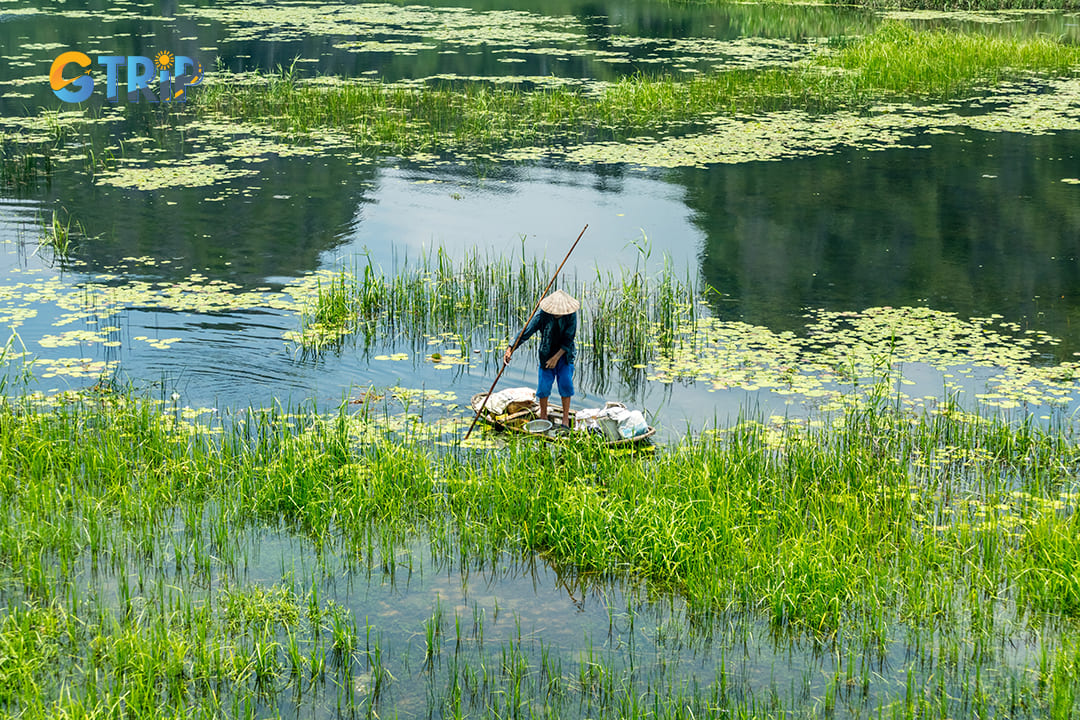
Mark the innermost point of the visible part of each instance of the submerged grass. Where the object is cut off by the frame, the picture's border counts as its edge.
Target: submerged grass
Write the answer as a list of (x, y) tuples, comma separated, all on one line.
[(851, 531), (23, 166), (894, 60)]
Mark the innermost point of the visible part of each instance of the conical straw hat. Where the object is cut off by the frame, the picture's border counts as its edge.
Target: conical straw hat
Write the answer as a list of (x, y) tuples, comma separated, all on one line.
[(559, 303)]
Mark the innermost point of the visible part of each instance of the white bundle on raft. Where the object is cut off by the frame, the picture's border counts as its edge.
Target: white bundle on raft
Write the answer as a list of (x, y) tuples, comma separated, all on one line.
[(614, 419)]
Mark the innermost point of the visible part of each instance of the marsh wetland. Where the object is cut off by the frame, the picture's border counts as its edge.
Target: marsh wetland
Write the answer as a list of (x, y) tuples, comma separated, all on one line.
[(832, 252)]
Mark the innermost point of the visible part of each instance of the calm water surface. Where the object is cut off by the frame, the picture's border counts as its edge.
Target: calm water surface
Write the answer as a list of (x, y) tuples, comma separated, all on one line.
[(979, 223)]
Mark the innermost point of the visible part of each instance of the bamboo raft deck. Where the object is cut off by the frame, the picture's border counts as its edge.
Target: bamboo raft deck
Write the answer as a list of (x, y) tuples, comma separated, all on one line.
[(515, 422)]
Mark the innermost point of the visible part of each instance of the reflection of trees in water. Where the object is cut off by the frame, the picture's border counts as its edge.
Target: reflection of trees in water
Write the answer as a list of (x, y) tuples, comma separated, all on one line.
[(979, 224), (295, 212)]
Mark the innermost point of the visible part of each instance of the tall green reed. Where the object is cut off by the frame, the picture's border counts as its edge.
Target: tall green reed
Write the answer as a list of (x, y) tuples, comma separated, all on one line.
[(628, 318)]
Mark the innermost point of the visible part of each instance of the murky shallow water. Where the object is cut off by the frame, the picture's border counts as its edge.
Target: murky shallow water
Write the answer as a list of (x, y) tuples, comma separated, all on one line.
[(492, 632)]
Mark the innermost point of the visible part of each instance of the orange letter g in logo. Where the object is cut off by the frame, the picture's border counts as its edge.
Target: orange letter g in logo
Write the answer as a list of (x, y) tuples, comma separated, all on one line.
[(83, 84)]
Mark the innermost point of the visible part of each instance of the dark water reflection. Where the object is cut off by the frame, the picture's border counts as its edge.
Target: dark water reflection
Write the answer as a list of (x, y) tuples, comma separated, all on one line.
[(276, 225), (978, 223)]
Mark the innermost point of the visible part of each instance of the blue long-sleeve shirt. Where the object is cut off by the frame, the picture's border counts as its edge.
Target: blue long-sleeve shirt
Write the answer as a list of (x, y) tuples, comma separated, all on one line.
[(557, 332)]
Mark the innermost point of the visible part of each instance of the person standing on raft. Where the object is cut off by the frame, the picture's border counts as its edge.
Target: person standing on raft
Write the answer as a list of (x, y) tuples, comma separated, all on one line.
[(556, 320)]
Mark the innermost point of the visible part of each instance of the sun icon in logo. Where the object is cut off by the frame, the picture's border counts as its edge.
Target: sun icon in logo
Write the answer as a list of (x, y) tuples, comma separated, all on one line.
[(163, 60)]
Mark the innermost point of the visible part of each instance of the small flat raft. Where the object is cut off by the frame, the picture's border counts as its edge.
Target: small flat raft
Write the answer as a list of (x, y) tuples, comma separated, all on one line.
[(516, 416)]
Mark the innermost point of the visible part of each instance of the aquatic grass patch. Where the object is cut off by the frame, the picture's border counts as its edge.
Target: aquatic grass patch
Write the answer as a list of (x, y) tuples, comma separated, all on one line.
[(59, 237), (399, 120), (645, 325), (450, 310), (964, 5), (894, 60), (22, 167), (552, 37), (1047, 564), (642, 325), (898, 59), (333, 314), (35, 146), (836, 535), (427, 297), (168, 655), (649, 120), (410, 120)]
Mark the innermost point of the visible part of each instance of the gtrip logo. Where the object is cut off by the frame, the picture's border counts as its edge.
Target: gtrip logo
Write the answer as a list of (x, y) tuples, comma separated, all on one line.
[(173, 74)]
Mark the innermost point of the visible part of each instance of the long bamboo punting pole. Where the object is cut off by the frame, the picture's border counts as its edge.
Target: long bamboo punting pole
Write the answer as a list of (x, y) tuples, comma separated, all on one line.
[(535, 308)]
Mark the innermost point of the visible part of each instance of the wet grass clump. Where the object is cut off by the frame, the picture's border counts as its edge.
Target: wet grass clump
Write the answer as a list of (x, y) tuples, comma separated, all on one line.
[(900, 60), (429, 295), (58, 236)]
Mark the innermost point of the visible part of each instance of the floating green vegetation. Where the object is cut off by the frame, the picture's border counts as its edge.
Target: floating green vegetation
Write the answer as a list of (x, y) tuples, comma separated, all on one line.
[(218, 153), (637, 326), (852, 93), (102, 296), (841, 350), (946, 538), (333, 314), (512, 36), (895, 61), (186, 173), (1037, 108), (33, 146)]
